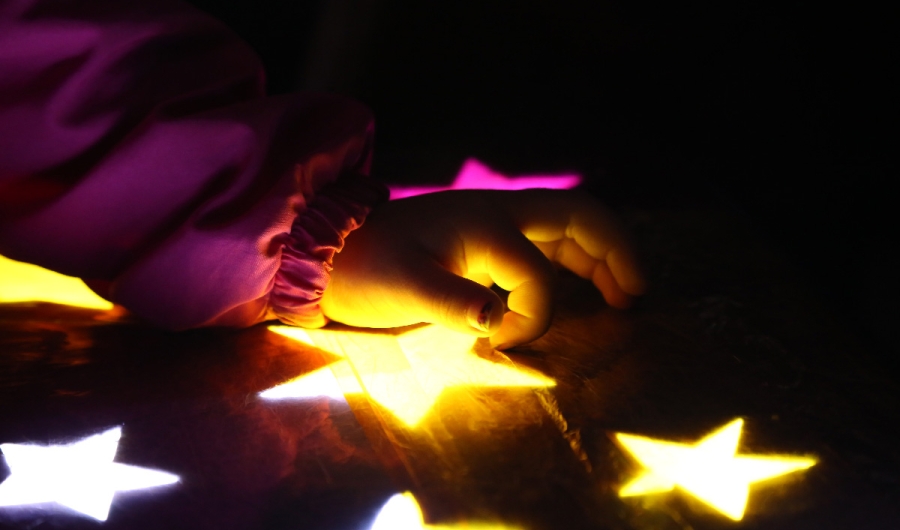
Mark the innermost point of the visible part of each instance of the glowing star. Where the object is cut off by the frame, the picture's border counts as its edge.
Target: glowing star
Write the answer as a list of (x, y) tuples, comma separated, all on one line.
[(404, 373), (402, 512), (710, 469), (476, 176), (24, 282), (79, 475)]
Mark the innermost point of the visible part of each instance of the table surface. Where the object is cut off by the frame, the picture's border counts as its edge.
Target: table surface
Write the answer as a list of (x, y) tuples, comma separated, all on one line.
[(728, 331)]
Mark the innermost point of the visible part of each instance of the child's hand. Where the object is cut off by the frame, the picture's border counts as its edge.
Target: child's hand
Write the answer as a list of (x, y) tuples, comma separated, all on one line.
[(422, 259)]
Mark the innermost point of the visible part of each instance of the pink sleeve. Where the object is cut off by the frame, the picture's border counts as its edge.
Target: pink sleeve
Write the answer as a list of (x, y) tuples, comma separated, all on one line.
[(139, 152)]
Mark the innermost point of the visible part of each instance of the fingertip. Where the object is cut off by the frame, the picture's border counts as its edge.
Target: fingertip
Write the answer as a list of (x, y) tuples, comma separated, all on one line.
[(519, 329), (622, 301), (503, 343), (612, 292), (504, 346), (485, 318), (626, 270), (436, 295)]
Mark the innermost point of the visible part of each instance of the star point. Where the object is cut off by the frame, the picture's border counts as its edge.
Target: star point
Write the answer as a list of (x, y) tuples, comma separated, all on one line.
[(402, 512), (474, 175), (405, 373), (710, 469), (80, 475), (24, 282)]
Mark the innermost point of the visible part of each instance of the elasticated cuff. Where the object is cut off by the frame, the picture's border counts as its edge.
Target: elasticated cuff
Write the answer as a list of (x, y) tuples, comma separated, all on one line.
[(316, 235)]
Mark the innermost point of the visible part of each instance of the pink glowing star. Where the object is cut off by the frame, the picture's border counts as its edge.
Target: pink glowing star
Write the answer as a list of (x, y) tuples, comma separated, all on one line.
[(476, 176)]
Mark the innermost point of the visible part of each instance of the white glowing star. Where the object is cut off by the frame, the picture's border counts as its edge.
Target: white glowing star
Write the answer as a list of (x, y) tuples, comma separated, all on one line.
[(404, 373), (402, 512), (24, 282), (710, 469), (80, 475)]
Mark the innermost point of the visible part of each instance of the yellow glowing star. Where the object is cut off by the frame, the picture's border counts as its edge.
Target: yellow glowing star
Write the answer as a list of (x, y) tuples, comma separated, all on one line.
[(402, 512), (404, 373), (709, 469), (23, 282)]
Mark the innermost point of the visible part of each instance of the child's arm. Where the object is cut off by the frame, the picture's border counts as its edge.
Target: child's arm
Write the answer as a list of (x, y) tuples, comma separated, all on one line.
[(422, 259), (138, 151)]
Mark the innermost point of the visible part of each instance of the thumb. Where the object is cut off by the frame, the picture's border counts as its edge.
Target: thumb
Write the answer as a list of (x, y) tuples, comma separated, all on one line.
[(439, 296)]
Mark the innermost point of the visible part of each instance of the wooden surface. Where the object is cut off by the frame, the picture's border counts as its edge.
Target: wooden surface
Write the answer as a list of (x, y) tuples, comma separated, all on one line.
[(727, 331)]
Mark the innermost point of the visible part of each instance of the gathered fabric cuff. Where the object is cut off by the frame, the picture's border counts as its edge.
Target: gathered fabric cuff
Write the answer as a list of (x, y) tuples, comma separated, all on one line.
[(316, 235)]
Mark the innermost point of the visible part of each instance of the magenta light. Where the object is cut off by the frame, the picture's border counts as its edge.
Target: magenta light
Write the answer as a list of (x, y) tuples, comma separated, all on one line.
[(476, 176)]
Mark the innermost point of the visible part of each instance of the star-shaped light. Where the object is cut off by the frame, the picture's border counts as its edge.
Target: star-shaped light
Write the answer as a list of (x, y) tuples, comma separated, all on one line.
[(402, 512), (79, 475), (24, 282), (476, 176), (710, 469), (404, 373)]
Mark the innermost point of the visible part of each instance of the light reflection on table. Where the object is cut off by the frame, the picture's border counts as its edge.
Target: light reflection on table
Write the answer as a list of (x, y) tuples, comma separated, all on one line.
[(705, 346)]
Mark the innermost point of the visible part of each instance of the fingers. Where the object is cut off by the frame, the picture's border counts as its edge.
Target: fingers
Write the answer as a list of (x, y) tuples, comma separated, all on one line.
[(583, 234), (394, 272), (529, 315), (609, 286), (567, 253), (433, 294), (516, 265), (570, 255), (612, 247), (494, 252)]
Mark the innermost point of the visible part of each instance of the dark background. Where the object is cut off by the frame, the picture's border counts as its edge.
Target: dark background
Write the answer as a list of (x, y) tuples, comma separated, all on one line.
[(778, 112)]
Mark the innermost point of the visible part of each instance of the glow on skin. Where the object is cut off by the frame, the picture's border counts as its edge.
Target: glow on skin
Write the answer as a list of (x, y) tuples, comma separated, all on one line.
[(710, 470), (80, 475), (406, 374), (24, 282)]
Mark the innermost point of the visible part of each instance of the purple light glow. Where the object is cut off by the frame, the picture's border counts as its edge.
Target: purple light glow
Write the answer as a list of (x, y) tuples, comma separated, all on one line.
[(476, 176)]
